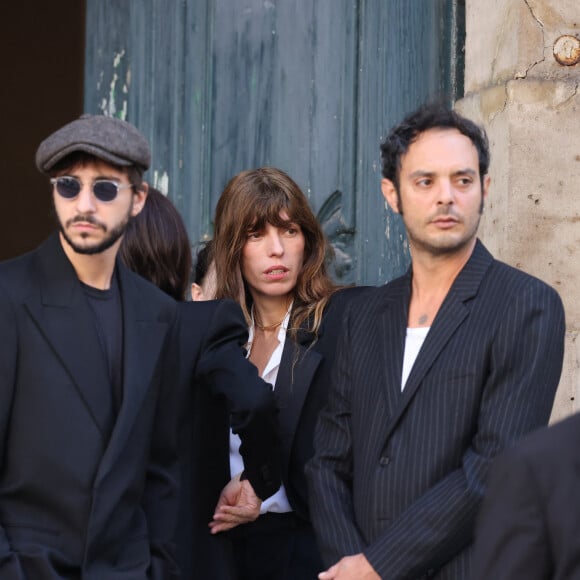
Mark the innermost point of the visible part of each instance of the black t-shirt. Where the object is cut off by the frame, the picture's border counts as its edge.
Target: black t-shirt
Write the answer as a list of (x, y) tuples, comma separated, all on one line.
[(108, 316)]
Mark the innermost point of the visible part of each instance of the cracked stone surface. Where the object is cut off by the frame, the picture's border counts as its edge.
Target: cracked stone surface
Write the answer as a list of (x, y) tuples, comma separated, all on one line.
[(515, 39), (530, 106)]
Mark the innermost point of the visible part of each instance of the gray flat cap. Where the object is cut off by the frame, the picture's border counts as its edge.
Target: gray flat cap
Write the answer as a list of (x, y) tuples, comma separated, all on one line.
[(112, 140)]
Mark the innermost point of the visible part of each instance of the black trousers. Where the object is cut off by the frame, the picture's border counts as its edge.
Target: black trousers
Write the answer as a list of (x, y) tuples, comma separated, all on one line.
[(276, 547)]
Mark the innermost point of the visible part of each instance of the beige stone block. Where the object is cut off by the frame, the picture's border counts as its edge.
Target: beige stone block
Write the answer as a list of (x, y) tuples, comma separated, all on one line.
[(487, 108), (555, 15), (532, 216), (540, 94), (502, 40), (515, 39)]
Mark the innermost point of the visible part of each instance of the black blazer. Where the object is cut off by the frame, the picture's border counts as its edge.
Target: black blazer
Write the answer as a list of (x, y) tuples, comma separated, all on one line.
[(301, 388), (219, 386), (399, 476), (529, 525), (82, 493)]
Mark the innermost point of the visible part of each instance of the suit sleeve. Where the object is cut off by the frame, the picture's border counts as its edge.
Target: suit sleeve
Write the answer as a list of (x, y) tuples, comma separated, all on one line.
[(524, 370), (9, 563), (250, 400), (329, 472), (161, 488), (511, 539)]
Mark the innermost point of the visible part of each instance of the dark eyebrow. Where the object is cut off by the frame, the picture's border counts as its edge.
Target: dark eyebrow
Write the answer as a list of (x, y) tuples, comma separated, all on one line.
[(103, 177), (421, 173), (106, 177), (466, 171)]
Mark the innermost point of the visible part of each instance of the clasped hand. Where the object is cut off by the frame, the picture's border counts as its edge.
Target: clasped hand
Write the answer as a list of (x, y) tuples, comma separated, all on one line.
[(355, 567), (237, 504)]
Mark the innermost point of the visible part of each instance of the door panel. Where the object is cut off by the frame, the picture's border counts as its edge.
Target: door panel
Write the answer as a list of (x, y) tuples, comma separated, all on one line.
[(310, 86)]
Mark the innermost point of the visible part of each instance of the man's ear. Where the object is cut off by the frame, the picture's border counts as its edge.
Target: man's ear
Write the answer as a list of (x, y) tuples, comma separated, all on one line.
[(486, 182), (390, 194), (139, 198)]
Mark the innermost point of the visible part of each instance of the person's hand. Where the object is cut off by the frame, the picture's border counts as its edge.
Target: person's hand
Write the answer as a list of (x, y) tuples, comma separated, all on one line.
[(350, 568), (237, 504)]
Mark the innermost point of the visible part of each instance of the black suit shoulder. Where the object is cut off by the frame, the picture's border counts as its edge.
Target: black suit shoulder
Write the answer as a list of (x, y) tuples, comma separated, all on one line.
[(553, 445), (513, 281), (197, 313), (371, 296), (18, 273), (348, 295), (215, 329), (200, 316), (339, 302)]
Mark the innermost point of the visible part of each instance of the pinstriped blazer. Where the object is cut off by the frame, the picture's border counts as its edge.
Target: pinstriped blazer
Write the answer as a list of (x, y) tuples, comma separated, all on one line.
[(400, 476)]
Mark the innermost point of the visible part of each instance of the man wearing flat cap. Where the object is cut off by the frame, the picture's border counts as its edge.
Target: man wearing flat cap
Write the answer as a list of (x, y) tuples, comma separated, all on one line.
[(87, 442)]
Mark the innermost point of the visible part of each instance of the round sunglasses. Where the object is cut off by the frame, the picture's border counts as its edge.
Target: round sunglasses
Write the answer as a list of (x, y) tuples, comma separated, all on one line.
[(103, 189)]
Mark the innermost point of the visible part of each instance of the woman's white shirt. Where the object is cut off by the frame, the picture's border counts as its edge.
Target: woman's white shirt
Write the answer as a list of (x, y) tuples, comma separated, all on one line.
[(279, 501)]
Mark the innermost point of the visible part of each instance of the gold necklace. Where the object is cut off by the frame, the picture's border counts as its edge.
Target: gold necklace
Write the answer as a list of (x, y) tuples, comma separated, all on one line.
[(268, 326)]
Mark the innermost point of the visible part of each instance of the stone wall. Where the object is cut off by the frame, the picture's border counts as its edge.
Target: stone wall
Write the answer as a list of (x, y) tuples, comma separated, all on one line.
[(522, 83)]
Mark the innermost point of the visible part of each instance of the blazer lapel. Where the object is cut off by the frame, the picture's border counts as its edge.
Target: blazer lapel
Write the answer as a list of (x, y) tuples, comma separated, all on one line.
[(143, 339), (63, 316), (297, 368), (451, 314), (393, 324)]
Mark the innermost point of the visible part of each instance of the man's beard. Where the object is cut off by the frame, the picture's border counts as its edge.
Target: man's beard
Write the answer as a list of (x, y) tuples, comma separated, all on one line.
[(443, 247), (104, 244)]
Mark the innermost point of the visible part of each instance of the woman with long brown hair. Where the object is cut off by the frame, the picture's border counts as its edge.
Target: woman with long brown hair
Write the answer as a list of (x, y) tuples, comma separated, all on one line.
[(270, 253)]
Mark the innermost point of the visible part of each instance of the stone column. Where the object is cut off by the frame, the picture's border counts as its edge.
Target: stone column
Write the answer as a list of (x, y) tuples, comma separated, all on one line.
[(522, 77)]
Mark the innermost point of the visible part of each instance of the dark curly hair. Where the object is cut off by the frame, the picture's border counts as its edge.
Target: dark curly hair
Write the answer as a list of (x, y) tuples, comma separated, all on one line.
[(429, 116)]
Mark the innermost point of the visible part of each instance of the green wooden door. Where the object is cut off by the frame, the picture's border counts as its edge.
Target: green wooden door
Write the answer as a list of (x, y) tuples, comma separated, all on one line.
[(310, 86)]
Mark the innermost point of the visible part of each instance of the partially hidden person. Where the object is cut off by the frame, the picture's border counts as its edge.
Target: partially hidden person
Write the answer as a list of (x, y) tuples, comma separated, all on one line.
[(529, 523), (203, 286)]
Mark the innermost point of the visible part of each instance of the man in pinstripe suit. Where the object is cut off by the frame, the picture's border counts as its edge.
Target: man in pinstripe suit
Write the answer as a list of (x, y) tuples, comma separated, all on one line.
[(436, 372)]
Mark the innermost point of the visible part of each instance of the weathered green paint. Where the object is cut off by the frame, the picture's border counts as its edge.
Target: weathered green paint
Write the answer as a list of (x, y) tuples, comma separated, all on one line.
[(310, 86)]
